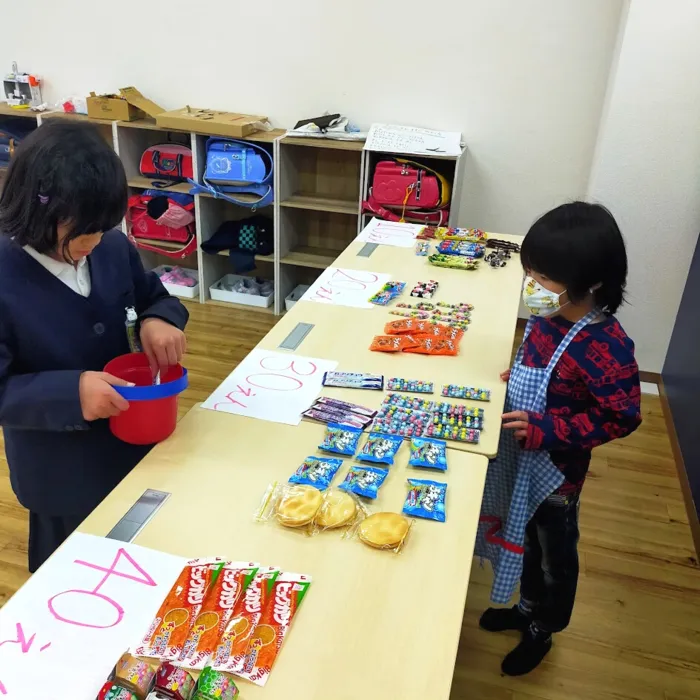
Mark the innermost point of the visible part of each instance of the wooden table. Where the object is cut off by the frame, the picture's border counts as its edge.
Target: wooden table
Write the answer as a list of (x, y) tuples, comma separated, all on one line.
[(375, 624), (344, 333)]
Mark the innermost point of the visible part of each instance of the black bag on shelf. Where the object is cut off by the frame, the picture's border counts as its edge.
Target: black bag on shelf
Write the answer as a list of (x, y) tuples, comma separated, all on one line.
[(244, 240)]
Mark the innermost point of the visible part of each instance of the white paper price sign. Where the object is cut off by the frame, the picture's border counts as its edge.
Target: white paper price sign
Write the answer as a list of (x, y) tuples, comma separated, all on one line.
[(346, 287), (390, 233), (271, 386)]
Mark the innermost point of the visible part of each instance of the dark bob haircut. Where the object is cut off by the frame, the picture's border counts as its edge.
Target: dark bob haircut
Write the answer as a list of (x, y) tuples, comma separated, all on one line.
[(580, 246), (64, 172)]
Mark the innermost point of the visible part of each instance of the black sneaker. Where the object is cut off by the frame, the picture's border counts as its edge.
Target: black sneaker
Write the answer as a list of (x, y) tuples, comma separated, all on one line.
[(502, 619), (528, 654)]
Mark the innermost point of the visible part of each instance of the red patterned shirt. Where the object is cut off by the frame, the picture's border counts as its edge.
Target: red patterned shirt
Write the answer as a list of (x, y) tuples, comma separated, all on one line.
[(593, 395)]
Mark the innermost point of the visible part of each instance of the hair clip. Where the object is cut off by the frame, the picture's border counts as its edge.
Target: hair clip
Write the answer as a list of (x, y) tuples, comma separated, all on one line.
[(43, 199)]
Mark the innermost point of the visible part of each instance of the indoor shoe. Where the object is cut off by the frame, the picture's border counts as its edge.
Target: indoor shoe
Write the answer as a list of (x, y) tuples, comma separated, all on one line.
[(529, 653), (502, 619)]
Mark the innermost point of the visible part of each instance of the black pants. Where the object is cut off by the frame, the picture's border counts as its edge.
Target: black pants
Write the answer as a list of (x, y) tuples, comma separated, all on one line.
[(550, 563), (46, 534)]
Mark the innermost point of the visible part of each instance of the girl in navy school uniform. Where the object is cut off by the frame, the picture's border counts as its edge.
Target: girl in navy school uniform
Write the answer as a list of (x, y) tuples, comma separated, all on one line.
[(66, 282), (574, 385)]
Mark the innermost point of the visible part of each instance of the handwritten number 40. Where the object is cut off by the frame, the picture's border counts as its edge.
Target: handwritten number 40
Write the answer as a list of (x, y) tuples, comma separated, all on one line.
[(63, 605)]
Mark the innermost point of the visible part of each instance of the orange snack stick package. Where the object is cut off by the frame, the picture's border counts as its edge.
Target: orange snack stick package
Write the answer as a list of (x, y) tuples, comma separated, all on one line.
[(392, 343), (177, 613), (230, 651), (216, 611), (265, 644)]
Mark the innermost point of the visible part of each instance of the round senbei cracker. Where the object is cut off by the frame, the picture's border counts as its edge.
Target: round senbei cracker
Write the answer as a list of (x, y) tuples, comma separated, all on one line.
[(337, 510), (383, 530), (299, 506)]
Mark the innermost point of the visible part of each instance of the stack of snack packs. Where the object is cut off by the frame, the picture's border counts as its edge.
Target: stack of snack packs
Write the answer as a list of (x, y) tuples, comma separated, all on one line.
[(172, 624), (259, 625)]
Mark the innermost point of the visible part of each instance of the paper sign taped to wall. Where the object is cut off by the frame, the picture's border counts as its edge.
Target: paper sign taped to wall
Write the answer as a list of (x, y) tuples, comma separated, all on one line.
[(271, 386), (346, 287), (63, 631), (390, 233), (392, 138)]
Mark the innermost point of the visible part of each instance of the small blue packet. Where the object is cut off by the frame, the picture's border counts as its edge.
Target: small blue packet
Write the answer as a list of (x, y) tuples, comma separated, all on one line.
[(364, 481), (429, 453), (426, 499), (341, 439), (316, 471), (380, 448)]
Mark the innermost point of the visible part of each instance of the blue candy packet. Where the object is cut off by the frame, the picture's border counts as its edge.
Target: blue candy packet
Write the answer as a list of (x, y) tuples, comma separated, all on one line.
[(316, 471), (429, 453), (364, 481), (341, 439), (380, 448), (426, 499)]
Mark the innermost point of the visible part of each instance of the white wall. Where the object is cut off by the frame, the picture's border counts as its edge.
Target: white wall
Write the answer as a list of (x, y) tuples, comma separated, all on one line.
[(523, 80), (647, 164)]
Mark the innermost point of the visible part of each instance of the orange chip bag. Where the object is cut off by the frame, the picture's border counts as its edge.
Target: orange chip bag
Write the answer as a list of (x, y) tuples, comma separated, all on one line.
[(434, 346), (452, 333), (265, 644), (216, 611), (392, 343), (176, 615), (230, 651), (404, 325)]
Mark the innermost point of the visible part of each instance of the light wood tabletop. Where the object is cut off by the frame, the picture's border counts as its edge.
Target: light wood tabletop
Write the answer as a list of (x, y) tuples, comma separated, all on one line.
[(375, 624)]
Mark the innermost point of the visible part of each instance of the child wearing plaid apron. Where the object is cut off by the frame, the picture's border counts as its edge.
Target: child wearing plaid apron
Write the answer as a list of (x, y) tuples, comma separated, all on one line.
[(574, 385)]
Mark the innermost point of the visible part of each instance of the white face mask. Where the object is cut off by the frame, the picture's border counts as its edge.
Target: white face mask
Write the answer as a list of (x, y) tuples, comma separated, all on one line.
[(540, 301)]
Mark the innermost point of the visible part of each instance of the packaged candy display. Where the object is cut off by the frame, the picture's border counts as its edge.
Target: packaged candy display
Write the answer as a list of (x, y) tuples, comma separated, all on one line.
[(456, 391), (364, 481), (114, 691), (171, 626), (410, 314), (456, 412), (353, 380), (388, 292), (412, 402), (444, 233), (422, 248), (341, 439), (497, 258), (338, 509), (461, 306), (173, 682), (215, 685), (266, 641), (317, 472), (434, 346), (392, 343), (400, 421), (231, 649), (216, 611), (428, 453), (455, 262), (416, 386), (453, 247), (134, 675), (384, 531), (419, 306), (499, 244), (426, 499), (447, 431), (327, 410), (380, 448), (425, 290)]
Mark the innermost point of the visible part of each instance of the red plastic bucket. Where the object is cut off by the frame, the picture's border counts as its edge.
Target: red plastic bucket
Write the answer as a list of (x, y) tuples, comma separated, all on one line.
[(152, 413)]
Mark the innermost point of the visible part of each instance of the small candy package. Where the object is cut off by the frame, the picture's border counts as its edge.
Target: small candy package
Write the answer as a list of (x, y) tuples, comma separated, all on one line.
[(277, 615), (389, 291), (135, 675), (317, 472), (173, 682), (408, 326), (392, 343), (412, 402), (434, 346), (457, 391), (341, 439), (113, 691), (215, 685), (364, 481), (416, 386), (422, 248), (339, 509), (380, 448), (428, 453), (426, 499), (401, 421)]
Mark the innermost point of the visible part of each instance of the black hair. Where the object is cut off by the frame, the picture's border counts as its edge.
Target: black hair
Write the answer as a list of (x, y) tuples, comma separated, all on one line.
[(64, 172), (580, 246)]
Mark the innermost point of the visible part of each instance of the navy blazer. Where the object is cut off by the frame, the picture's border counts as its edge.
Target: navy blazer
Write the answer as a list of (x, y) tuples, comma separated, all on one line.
[(60, 464)]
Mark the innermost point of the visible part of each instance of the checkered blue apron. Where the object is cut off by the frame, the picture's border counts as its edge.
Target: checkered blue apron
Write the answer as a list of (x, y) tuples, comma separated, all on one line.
[(517, 480)]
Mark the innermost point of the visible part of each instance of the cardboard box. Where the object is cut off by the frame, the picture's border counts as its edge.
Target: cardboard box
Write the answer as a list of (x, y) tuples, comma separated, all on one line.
[(209, 121), (127, 106)]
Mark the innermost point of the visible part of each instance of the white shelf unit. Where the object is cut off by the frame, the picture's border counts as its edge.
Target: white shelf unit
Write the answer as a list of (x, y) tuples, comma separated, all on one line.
[(319, 188)]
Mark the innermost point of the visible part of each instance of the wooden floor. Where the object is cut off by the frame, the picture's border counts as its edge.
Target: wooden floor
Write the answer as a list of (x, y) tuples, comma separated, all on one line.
[(635, 632)]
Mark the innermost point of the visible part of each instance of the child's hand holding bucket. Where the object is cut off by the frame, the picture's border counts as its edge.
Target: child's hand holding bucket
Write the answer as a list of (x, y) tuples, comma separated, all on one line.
[(98, 399)]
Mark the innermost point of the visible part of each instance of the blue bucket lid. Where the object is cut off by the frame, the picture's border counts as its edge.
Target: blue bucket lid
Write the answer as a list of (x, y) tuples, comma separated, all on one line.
[(157, 391)]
